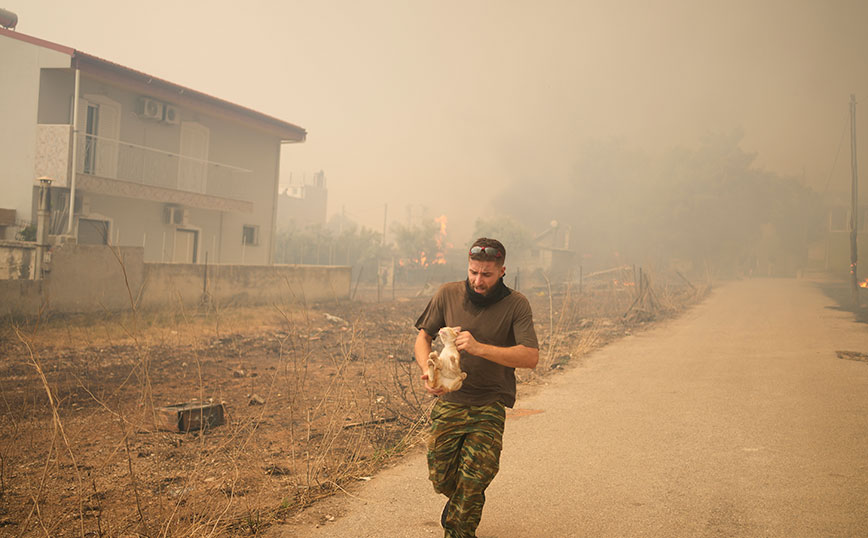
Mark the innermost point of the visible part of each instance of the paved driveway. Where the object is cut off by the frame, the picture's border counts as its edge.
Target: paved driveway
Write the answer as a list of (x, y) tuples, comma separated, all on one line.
[(737, 419)]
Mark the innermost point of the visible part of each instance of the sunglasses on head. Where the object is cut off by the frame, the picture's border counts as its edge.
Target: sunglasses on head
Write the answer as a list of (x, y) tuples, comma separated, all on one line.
[(488, 251)]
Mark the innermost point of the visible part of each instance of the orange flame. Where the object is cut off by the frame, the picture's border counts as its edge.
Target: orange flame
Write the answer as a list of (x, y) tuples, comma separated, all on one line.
[(440, 256), (441, 220), (864, 283), (423, 259)]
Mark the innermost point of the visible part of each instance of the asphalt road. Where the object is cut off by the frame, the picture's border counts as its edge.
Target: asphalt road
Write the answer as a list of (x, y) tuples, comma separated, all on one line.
[(737, 419)]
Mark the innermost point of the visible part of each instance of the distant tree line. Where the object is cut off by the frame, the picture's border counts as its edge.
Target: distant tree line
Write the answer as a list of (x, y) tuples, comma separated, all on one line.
[(710, 207), (414, 252)]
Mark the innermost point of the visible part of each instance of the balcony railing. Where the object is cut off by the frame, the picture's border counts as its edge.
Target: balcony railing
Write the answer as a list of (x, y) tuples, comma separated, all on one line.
[(125, 161)]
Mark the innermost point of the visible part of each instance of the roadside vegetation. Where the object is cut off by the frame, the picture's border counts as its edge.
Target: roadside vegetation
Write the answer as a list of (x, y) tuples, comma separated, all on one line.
[(317, 398)]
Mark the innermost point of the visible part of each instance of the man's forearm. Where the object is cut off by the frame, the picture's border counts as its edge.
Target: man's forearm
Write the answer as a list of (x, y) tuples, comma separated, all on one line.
[(422, 349), (518, 356)]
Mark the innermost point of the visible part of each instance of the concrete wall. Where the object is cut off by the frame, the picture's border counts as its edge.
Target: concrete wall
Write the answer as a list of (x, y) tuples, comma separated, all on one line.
[(21, 297), (168, 285), (56, 87), (19, 88), (87, 278), (16, 260), (90, 278)]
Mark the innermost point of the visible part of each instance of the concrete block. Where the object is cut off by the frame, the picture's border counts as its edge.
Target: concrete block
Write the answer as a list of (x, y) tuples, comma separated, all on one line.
[(190, 416)]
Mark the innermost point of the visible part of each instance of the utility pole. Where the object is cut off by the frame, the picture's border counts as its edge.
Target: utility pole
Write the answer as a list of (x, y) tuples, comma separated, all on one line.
[(42, 218), (854, 203)]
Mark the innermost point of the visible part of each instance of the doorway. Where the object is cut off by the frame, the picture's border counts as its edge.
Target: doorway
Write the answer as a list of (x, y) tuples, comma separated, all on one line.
[(186, 246)]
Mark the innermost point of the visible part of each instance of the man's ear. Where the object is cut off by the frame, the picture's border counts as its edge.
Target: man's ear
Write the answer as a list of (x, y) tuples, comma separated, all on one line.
[(502, 270)]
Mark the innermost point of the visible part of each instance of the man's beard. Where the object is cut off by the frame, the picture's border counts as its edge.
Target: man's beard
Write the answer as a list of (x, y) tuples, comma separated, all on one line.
[(495, 294)]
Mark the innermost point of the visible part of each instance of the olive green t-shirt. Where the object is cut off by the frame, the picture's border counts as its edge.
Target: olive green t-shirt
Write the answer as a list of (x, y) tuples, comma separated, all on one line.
[(506, 323)]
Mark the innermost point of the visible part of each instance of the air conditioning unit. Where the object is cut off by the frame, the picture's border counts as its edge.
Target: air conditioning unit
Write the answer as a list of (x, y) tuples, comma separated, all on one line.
[(150, 109), (171, 115), (174, 215)]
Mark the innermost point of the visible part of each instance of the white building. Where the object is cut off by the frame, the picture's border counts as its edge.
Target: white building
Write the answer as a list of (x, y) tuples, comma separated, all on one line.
[(186, 175)]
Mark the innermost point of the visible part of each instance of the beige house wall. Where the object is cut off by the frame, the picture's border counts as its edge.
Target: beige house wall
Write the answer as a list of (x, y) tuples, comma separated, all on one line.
[(137, 222), (19, 86), (242, 158)]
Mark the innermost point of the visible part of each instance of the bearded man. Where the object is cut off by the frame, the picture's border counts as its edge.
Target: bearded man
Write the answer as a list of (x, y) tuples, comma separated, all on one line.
[(496, 336)]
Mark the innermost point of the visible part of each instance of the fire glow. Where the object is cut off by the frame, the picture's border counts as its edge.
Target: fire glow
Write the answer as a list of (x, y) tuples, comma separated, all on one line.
[(440, 255), (864, 283), (422, 259)]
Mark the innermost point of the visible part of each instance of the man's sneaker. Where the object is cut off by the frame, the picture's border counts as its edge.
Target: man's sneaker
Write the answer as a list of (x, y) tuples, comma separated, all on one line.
[(443, 515)]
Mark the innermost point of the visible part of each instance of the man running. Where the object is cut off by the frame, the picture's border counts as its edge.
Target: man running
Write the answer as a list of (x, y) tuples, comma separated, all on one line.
[(496, 337)]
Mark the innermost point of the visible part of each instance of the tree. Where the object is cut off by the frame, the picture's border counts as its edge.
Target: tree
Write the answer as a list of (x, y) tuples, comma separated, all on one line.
[(417, 243), (345, 244)]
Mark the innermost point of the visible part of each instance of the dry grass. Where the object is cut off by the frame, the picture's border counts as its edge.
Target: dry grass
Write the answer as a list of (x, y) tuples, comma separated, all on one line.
[(80, 453)]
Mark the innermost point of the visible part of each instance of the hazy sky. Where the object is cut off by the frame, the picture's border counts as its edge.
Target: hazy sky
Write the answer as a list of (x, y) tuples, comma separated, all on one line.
[(442, 103)]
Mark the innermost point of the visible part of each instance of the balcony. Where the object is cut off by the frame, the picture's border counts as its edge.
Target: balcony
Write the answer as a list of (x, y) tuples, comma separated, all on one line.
[(119, 168)]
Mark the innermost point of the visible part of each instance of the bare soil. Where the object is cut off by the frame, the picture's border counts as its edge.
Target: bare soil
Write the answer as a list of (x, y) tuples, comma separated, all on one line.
[(315, 397)]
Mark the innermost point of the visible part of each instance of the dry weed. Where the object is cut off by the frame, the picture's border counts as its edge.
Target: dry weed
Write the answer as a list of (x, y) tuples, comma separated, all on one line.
[(313, 403)]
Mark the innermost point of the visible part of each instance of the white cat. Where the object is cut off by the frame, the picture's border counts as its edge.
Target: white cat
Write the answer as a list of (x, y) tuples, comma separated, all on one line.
[(444, 370)]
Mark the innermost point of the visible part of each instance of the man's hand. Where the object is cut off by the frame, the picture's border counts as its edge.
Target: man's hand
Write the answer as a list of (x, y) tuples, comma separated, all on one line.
[(431, 390), (517, 356), (465, 342)]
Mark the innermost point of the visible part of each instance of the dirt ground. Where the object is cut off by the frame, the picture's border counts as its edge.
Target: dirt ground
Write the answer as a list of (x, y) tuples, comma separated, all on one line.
[(315, 397)]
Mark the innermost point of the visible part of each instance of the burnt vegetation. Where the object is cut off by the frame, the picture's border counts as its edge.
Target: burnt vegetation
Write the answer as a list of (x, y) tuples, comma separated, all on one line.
[(317, 399)]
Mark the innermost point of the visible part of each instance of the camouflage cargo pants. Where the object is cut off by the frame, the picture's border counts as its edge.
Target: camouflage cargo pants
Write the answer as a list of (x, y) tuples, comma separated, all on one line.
[(463, 457)]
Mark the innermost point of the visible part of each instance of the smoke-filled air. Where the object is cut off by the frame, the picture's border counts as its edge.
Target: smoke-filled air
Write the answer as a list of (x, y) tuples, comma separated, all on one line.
[(402, 268), (711, 136)]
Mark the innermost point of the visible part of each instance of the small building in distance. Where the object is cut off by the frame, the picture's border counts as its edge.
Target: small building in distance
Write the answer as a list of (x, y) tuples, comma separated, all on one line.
[(551, 253), (304, 204)]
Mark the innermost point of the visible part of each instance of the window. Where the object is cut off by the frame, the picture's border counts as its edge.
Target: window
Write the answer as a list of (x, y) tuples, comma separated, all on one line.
[(98, 129), (91, 132), (250, 235), (93, 232)]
